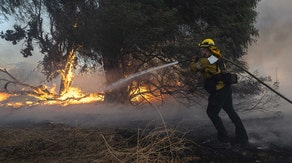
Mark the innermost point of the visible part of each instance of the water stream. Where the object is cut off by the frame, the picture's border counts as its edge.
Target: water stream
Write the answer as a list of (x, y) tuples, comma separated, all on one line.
[(124, 81)]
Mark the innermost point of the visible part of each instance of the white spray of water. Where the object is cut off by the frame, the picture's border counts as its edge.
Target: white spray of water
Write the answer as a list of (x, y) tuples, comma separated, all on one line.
[(121, 82)]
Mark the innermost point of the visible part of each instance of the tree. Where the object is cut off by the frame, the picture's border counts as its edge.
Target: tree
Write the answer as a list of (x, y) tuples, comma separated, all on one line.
[(230, 23), (131, 35), (128, 35), (57, 42), (7, 7)]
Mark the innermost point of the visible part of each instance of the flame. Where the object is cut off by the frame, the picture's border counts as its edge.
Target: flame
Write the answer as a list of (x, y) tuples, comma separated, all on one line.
[(75, 96), (69, 95), (49, 96), (141, 94), (67, 73), (4, 96), (15, 104), (43, 95)]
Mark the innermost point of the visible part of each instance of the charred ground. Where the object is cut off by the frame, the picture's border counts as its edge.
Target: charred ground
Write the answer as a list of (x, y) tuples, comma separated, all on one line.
[(147, 142)]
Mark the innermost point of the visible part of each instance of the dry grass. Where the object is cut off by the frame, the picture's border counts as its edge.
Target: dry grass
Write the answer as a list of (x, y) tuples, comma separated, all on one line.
[(49, 143), (152, 144), (60, 143)]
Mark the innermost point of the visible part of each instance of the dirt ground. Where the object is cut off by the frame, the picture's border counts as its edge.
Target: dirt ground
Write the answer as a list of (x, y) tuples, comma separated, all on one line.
[(50, 142)]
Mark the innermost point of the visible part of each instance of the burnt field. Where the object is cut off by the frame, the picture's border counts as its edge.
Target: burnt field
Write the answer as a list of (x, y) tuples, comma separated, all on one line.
[(126, 135)]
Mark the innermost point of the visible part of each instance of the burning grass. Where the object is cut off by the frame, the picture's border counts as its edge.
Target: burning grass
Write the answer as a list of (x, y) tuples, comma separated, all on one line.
[(42, 94), (17, 94)]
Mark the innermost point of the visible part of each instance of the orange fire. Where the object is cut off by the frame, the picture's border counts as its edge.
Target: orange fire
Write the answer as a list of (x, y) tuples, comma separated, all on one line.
[(43, 95), (4, 96), (75, 96), (142, 94), (72, 96)]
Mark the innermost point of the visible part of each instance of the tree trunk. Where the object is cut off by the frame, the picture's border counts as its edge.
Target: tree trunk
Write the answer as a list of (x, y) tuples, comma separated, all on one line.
[(67, 73), (114, 72)]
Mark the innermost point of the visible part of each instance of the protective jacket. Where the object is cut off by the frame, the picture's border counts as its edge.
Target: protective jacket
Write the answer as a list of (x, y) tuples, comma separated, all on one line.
[(208, 71)]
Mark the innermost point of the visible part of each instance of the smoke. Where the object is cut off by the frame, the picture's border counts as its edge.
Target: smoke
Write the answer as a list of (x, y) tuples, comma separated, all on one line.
[(271, 54), (263, 128), (270, 130), (101, 115)]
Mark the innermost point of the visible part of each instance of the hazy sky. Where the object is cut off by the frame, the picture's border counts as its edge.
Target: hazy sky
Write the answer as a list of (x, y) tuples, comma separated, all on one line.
[(271, 52)]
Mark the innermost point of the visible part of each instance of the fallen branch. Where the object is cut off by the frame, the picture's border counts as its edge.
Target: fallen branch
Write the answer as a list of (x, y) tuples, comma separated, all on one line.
[(35, 90)]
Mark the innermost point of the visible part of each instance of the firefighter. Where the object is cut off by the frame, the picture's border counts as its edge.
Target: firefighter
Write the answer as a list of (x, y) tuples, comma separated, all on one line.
[(220, 94)]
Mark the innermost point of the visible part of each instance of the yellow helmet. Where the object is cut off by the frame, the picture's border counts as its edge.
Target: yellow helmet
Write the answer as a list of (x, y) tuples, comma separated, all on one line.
[(207, 43)]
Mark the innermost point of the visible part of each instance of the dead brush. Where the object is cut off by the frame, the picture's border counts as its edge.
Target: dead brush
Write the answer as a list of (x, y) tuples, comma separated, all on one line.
[(153, 144), (158, 144)]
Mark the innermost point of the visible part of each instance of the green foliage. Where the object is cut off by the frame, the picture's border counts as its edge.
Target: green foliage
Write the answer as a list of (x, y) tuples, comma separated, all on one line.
[(229, 22), (13, 35), (132, 35), (141, 23)]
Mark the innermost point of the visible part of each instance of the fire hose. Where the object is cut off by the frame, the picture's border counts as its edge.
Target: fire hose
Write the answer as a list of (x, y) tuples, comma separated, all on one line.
[(252, 75), (279, 94)]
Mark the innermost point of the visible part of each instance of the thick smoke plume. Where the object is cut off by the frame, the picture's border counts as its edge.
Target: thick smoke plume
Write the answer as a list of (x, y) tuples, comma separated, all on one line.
[(271, 54)]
